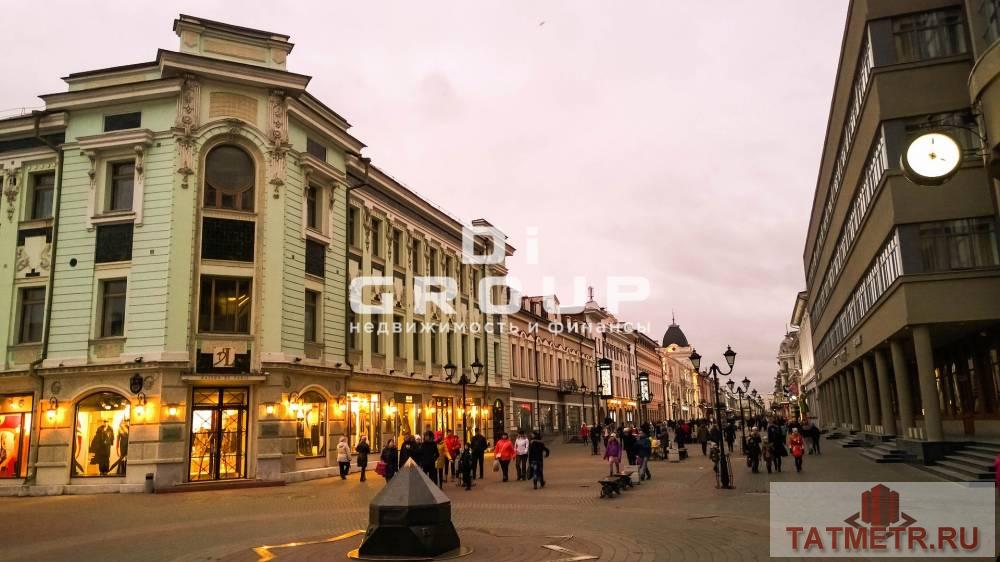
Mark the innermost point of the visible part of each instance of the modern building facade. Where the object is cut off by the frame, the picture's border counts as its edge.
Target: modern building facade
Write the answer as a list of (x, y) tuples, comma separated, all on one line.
[(903, 279), (180, 238)]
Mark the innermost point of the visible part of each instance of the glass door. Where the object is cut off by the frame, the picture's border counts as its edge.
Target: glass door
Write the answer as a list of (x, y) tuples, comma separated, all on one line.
[(218, 434)]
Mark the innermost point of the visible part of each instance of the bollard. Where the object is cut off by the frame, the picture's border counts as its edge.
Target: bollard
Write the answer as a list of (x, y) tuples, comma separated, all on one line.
[(149, 482)]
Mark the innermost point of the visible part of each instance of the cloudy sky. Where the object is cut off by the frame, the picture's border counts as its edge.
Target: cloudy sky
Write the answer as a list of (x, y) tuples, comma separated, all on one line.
[(673, 140)]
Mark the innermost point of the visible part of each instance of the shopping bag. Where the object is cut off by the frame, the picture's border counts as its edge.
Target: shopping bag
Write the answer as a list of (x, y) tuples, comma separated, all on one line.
[(380, 468), (496, 466)]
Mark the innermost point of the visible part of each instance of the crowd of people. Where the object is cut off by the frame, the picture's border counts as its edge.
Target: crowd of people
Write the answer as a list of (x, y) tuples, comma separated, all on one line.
[(443, 455)]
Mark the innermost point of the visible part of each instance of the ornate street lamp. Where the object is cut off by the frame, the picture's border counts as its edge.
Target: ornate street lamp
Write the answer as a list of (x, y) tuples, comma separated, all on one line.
[(714, 371), (477, 370)]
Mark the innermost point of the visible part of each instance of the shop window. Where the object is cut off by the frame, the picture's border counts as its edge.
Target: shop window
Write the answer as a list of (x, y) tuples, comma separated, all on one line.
[(364, 418), (442, 412), (114, 243), (229, 179), (15, 432), (121, 186), (311, 316), (928, 35), (102, 430), (226, 239), (405, 413), (32, 315), (224, 305), (42, 190), (315, 258), (310, 432), (113, 308)]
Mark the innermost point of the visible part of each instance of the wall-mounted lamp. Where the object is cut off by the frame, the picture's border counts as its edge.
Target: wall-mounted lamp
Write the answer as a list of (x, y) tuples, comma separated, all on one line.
[(293, 402), (172, 410), (269, 408), (53, 409), (140, 407)]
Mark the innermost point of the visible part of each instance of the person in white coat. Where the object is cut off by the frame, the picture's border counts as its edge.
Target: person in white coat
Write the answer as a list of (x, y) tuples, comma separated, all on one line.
[(521, 452), (343, 457)]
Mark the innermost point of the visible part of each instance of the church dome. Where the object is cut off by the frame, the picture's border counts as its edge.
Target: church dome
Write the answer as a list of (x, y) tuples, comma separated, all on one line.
[(674, 336)]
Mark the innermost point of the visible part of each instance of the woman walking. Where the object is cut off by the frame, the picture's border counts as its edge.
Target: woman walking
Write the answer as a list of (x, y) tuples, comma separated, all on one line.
[(343, 457), (389, 459), (643, 450), (613, 455), (521, 450), (363, 449), (443, 459), (504, 452), (798, 445)]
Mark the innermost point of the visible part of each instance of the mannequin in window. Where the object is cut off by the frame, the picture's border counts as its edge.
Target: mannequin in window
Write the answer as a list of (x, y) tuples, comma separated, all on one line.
[(100, 447), (122, 444)]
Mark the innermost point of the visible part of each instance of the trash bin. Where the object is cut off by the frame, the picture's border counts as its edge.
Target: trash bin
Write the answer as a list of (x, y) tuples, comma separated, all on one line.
[(149, 482)]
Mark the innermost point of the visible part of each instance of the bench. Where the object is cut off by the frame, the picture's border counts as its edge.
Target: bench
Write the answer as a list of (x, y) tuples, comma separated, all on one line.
[(610, 486)]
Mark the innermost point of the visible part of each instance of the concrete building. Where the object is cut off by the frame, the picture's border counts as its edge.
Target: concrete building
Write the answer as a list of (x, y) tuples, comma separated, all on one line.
[(180, 236), (809, 405), (903, 279), (652, 397), (685, 390)]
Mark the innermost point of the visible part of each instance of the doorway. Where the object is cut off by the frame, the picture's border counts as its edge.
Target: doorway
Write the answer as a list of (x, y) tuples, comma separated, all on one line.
[(218, 434)]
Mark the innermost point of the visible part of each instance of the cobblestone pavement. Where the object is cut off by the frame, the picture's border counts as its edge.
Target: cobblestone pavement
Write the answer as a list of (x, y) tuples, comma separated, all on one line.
[(678, 515)]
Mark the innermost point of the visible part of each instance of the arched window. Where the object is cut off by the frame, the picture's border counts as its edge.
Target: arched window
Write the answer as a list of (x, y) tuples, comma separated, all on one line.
[(100, 446), (229, 179), (310, 429)]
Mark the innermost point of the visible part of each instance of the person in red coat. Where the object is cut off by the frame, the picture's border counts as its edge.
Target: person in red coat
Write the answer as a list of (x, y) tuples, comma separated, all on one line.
[(504, 452)]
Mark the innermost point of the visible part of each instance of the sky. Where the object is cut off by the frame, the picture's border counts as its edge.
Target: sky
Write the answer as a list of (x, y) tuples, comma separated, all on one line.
[(676, 141)]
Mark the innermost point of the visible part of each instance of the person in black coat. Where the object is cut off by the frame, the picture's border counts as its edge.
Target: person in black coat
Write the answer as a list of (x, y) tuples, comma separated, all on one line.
[(537, 451), (390, 457), (479, 444), (428, 456), (408, 450), (595, 438), (628, 443), (363, 450), (777, 440), (465, 465), (730, 433)]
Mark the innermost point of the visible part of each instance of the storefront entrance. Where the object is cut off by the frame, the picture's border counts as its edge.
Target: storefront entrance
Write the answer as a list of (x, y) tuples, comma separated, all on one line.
[(498, 424), (443, 414), (218, 434), (15, 429)]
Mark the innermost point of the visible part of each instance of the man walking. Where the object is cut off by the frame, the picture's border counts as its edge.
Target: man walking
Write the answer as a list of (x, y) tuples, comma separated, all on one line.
[(479, 445), (537, 452), (595, 438)]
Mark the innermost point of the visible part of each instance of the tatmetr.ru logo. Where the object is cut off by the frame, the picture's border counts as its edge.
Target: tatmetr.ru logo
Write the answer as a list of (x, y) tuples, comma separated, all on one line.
[(909, 519)]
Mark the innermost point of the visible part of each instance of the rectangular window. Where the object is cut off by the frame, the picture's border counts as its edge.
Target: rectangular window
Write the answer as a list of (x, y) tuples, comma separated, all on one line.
[(114, 243), (434, 262), (315, 258), (312, 316), (958, 244), (990, 12), (465, 351), (352, 330), (418, 257), (377, 347), (42, 189), (312, 209), (227, 239), (450, 342), (224, 305), (32, 315), (376, 238), (352, 226), (397, 337), (121, 186), (316, 149), (113, 308), (435, 347), (397, 257), (122, 121), (417, 342), (928, 35), (496, 358), (447, 266)]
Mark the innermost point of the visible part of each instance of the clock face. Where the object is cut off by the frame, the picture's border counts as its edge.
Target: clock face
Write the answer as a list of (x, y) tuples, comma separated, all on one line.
[(933, 156)]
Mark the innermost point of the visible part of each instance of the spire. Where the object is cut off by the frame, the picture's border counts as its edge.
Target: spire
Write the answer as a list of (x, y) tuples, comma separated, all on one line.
[(590, 292), (673, 319)]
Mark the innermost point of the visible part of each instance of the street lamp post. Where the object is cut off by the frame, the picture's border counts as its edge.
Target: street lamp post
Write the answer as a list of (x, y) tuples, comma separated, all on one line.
[(477, 370), (715, 371)]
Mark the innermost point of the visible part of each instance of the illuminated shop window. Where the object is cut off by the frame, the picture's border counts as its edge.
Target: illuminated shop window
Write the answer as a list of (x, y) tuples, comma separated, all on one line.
[(310, 432), (102, 428), (364, 416), (15, 431)]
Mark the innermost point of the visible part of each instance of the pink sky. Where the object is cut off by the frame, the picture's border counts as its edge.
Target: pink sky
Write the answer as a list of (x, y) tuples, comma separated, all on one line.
[(673, 140)]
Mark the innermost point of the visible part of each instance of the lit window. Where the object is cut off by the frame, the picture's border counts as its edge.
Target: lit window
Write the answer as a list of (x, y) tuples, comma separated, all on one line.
[(102, 422), (310, 431), (224, 305)]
